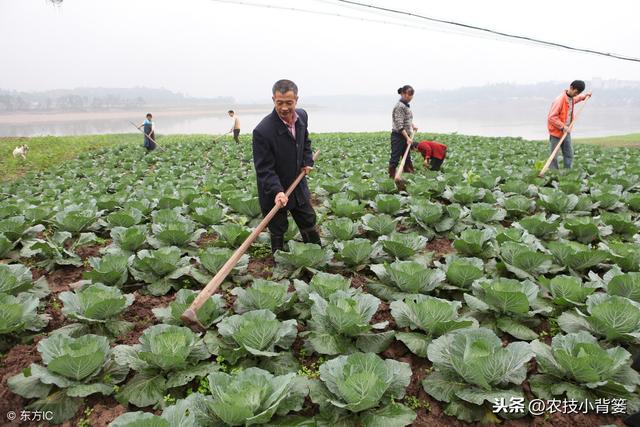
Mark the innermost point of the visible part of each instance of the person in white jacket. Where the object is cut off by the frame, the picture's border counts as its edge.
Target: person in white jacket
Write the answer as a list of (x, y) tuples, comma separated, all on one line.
[(235, 129)]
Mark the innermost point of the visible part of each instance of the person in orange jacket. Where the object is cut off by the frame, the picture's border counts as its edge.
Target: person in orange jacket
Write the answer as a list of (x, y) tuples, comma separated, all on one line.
[(433, 153), (560, 117)]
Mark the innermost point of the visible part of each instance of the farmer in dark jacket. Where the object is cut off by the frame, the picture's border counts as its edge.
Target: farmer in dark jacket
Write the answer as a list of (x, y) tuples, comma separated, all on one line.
[(281, 150)]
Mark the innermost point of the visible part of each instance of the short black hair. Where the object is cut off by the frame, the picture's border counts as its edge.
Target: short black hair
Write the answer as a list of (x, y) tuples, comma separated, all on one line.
[(149, 115), (230, 112), (579, 85), (414, 145), (283, 86), (406, 89)]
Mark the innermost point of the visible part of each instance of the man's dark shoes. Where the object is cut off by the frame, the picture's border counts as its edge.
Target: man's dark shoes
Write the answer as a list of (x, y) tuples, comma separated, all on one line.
[(311, 236), (277, 243)]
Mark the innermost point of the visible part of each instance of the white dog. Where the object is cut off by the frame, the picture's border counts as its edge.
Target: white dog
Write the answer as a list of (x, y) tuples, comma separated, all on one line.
[(21, 151)]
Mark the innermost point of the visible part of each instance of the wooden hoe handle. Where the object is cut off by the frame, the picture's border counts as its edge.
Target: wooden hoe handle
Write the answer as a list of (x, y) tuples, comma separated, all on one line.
[(189, 317), (398, 176)]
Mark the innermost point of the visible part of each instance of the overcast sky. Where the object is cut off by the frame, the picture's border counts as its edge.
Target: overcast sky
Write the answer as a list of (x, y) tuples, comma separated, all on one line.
[(208, 48)]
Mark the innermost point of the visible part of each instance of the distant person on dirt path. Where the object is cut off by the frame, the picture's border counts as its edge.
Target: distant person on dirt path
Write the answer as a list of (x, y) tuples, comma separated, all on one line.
[(236, 126), (560, 117), (433, 153), (149, 133), (281, 150), (402, 130)]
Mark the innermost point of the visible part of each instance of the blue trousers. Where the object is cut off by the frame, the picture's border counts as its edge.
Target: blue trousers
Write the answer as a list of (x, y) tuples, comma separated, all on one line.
[(567, 151), (148, 143)]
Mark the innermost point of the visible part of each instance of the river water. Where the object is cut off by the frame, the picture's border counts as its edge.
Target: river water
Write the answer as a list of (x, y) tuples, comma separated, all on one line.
[(528, 123)]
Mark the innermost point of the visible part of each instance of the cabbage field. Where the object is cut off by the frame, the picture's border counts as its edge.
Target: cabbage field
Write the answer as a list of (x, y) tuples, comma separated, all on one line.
[(460, 299)]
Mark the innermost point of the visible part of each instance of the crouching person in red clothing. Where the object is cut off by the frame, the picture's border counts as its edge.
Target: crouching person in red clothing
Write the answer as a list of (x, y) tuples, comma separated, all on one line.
[(433, 153)]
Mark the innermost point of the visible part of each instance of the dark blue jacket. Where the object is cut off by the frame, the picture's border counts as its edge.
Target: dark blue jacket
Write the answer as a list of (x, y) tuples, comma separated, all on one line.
[(278, 159)]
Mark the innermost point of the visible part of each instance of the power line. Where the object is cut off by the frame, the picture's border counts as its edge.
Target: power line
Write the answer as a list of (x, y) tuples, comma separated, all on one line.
[(461, 27), (339, 15), (490, 31), (440, 29), (487, 31)]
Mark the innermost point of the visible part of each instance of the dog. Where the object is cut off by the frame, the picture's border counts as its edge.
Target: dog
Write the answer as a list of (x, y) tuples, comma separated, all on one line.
[(21, 151)]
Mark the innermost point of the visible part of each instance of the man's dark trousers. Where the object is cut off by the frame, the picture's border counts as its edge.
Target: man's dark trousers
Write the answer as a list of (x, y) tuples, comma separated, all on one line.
[(305, 218)]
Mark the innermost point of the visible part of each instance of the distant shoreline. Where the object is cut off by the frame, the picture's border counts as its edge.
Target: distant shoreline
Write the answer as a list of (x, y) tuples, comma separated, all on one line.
[(514, 120)]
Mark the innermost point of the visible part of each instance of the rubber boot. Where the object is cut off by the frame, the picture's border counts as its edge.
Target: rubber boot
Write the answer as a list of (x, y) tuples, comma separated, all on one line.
[(311, 235), (277, 243), (392, 172)]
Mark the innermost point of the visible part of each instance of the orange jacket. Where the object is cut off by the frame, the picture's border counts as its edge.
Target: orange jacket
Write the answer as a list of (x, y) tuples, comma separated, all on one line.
[(557, 117)]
